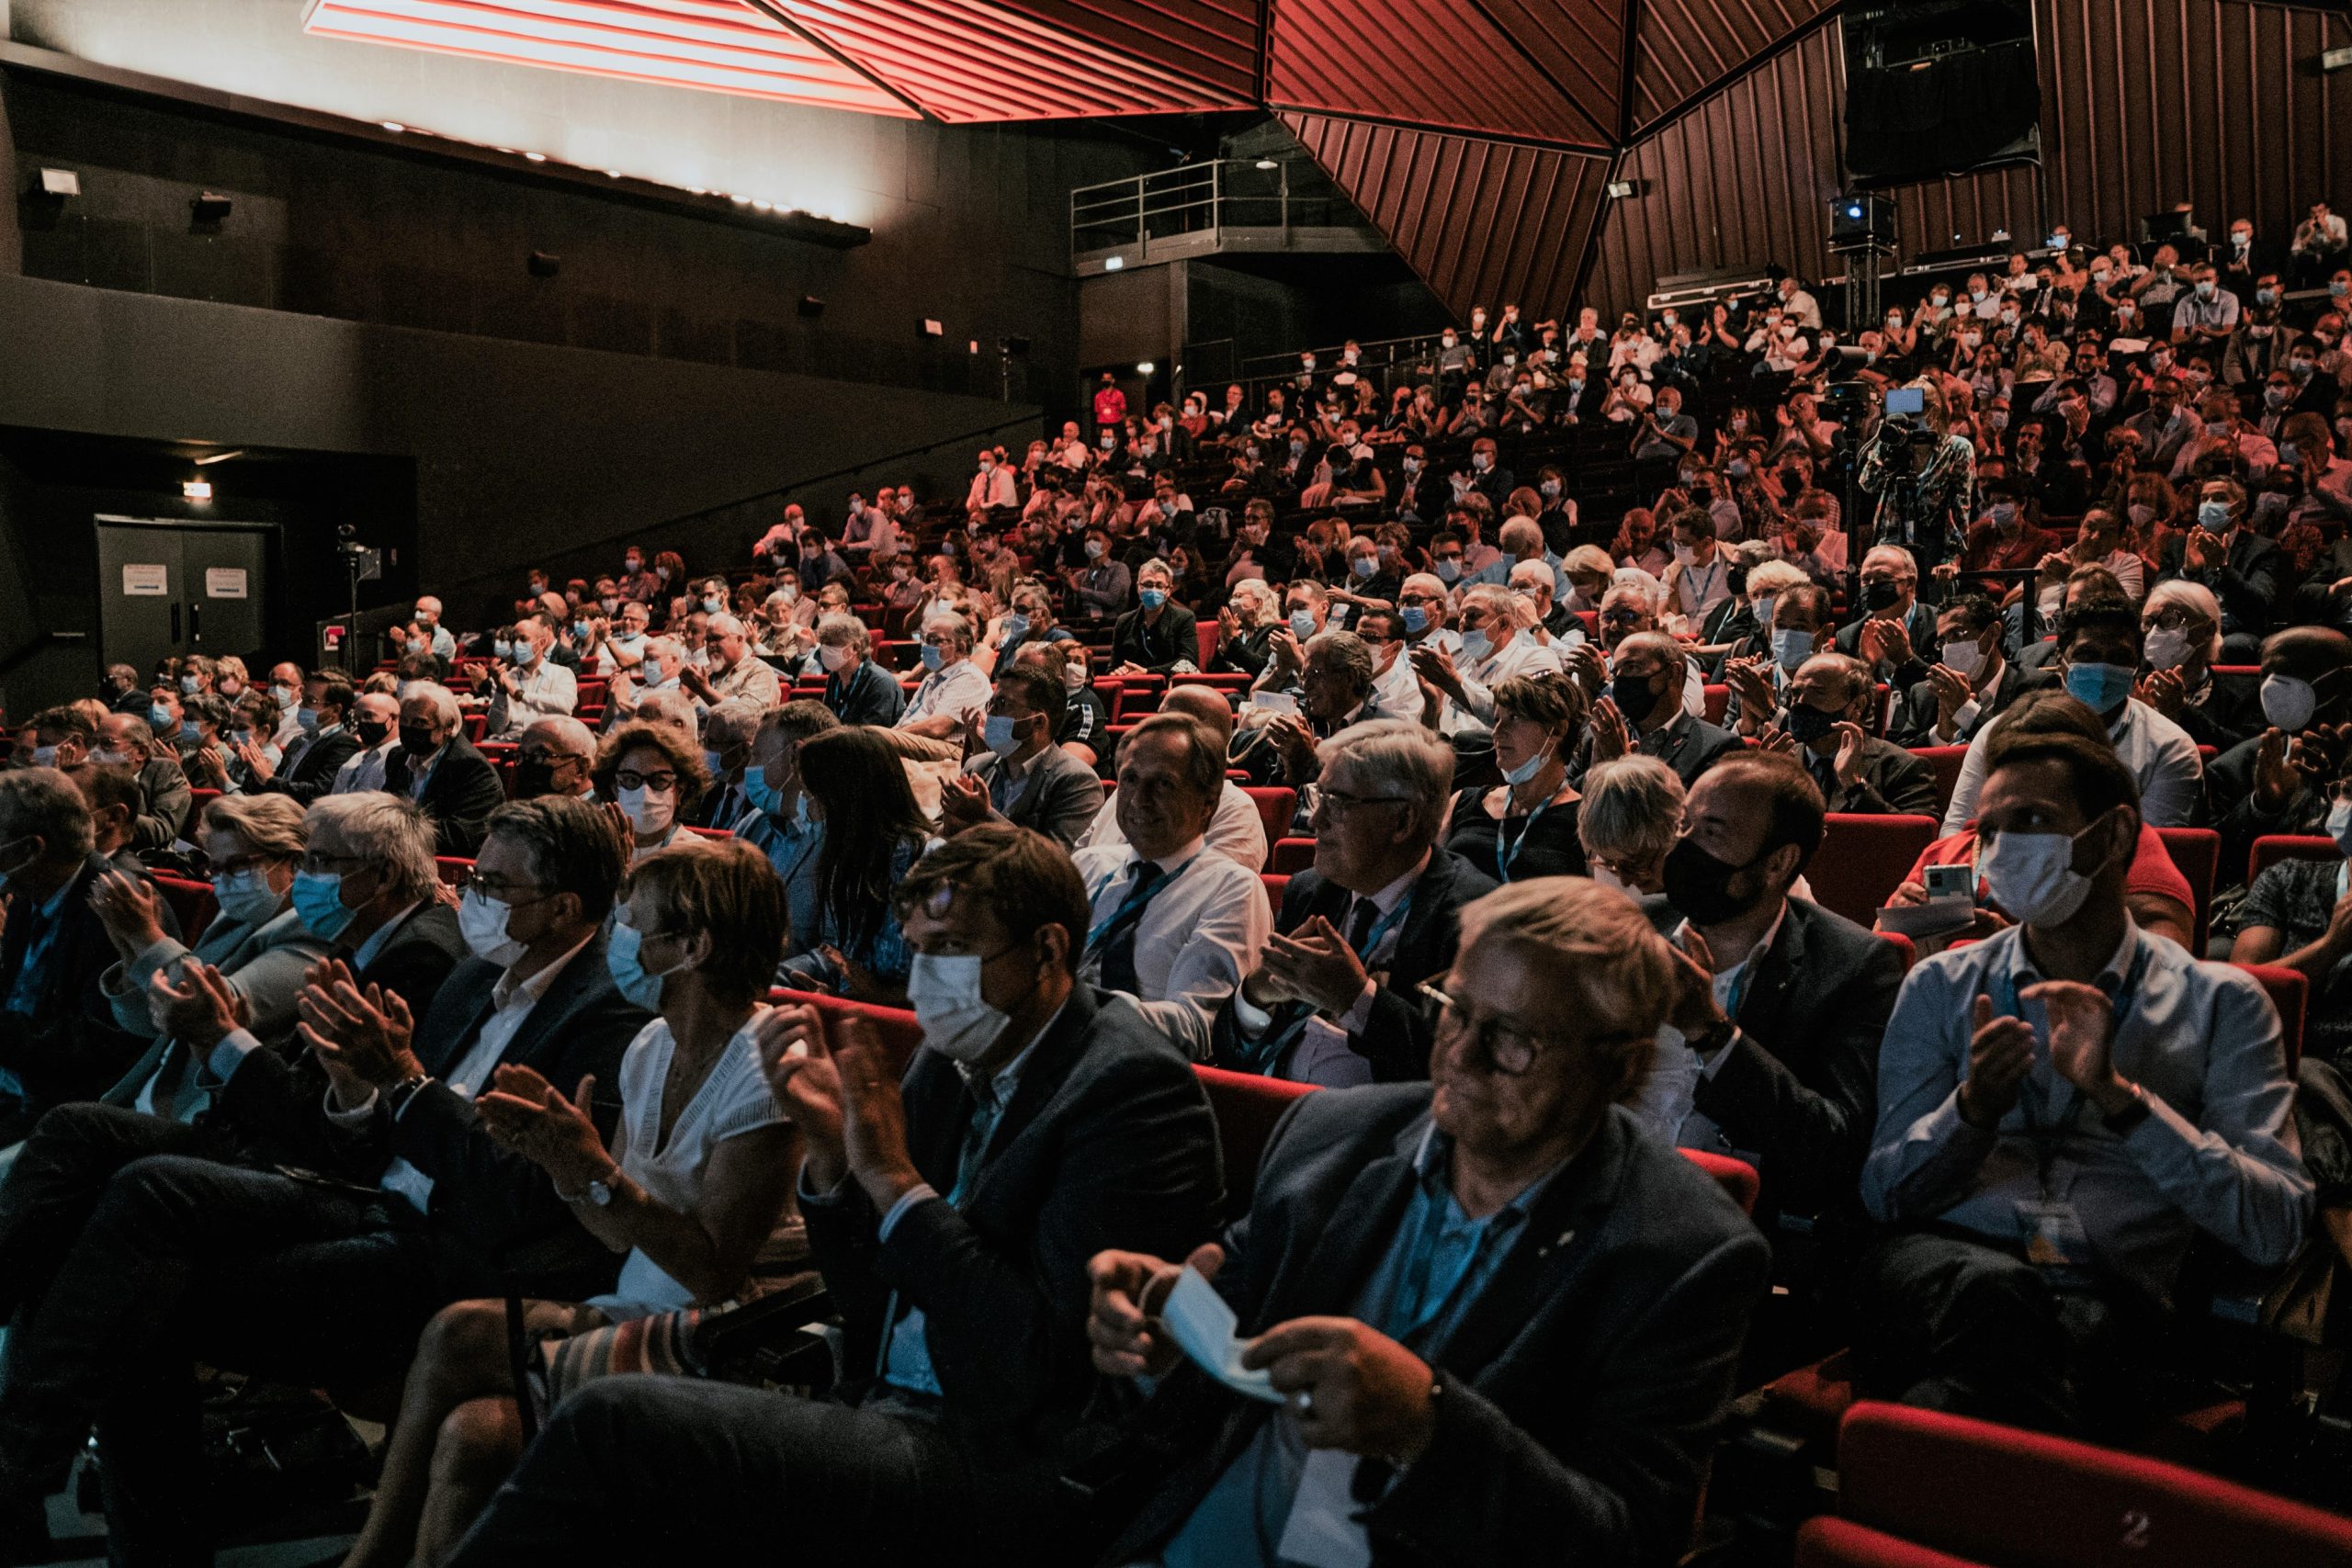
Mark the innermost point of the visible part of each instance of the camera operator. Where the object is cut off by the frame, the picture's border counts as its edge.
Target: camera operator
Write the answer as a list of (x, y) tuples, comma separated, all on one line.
[(1923, 474)]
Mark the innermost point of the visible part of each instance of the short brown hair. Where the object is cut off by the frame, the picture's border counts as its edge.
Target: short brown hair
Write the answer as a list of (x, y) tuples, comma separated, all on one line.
[(1794, 809), (1025, 880), (1548, 699), (685, 760), (728, 889)]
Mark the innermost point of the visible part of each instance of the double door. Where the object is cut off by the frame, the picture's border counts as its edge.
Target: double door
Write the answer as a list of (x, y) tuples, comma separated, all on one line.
[(172, 588)]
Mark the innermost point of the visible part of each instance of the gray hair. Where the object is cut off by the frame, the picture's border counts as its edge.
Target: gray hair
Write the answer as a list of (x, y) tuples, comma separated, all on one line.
[(1489, 596), (1632, 810), (1349, 651), (724, 624), (2197, 599), (43, 801), (444, 701), (385, 830), (844, 631), (1396, 757), (673, 708), (268, 824), (960, 628), (737, 718)]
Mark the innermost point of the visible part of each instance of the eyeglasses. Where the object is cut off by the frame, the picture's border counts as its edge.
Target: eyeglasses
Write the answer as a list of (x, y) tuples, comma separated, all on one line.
[(236, 864), (319, 861), (1335, 804), (504, 890), (1501, 1047), (537, 754), (629, 778)]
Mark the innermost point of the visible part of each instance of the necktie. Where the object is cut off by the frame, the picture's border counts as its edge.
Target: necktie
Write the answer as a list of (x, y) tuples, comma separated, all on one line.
[(1114, 943), (1360, 924)]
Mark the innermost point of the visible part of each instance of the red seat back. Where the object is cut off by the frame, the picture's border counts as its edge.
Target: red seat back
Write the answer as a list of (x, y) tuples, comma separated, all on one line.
[(1904, 945), (1291, 856), (1826, 1541), (1944, 762), (2025, 1500), (198, 800), (1206, 632), (1736, 1176), (193, 903), (2272, 848), (454, 870), (1862, 860), (2196, 853), (1276, 804), (1718, 702), (1273, 885), (712, 832), (900, 1035), (1247, 1106), (2290, 994)]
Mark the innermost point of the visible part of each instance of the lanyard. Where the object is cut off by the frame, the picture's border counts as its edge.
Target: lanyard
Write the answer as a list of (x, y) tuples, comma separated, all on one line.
[(1382, 927), (1131, 908), (1506, 858), (2046, 1138)]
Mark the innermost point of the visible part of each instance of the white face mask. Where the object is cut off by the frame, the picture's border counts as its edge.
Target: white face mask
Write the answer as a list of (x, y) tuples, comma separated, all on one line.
[(957, 1021), (245, 897), (1963, 658), (2287, 702), (650, 810), (2032, 877), (481, 920), (2340, 825), (2166, 647), (834, 658)]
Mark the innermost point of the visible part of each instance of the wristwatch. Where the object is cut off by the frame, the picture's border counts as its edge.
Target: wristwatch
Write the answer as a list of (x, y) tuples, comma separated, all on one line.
[(396, 1098), (598, 1193)]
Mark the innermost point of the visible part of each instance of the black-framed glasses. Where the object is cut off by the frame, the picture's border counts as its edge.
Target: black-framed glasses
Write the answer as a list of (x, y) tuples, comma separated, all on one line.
[(629, 778), (505, 891), (319, 861)]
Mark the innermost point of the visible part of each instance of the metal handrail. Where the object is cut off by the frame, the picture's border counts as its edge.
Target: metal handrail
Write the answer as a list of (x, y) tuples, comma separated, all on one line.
[(1192, 198)]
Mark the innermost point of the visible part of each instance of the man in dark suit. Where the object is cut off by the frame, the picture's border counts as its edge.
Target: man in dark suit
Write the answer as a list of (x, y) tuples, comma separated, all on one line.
[(307, 769), (303, 1279), (1831, 705), (953, 1219), (125, 740), (1159, 634), (1646, 714), (1023, 777), (2245, 570), (1782, 1044), (436, 766), (1969, 684), (58, 1039), (858, 690), (1561, 1385), (1896, 625), (1334, 1000)]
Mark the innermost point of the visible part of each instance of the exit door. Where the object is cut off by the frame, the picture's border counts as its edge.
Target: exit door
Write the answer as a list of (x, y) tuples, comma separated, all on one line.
[(181, 588)]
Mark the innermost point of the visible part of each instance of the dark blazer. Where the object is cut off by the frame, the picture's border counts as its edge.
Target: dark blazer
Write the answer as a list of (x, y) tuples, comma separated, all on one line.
[(1798, 1092), (2231, 713), (1060, 800), (1581, 1392), (460, 795), (270, 1107), (1107, 1141), (1157, 645), (1689, 745), (2251, 583), (68, 1047), (1246, 654), (867, 695), (1397, 1036), (169, 800), (1892, 781), (1920, 624), (495, 1215), (316, 760), (1913, 723)]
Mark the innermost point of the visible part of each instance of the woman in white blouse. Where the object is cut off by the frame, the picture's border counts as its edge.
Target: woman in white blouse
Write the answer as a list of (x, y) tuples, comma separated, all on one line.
[(699, 1172)]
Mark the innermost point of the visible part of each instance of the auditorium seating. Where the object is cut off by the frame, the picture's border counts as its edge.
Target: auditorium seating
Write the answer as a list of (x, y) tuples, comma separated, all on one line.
[(1288, 857), (2196, 853), (1862, 860), (1944, 762), (192, 903), (2272, 848), (1275, 808)]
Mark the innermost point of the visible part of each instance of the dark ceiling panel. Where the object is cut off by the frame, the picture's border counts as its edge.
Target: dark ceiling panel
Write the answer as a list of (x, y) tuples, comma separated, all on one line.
[(1442, 64), (1482, 222), (1681, 48), (1575, 43), (1215, 42)]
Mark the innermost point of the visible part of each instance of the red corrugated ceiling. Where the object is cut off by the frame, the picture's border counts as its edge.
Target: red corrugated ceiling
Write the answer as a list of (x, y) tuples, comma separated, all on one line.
[(1438, 63), (1482, 222)]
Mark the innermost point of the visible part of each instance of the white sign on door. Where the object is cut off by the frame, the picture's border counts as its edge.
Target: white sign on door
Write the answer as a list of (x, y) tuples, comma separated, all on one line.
[(145, 581), (224, 582)]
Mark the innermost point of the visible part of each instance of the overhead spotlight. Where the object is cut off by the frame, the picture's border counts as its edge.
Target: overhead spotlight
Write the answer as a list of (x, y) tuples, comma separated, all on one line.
[(198, 491), (1267, 164), (395, 127), (1113, 263), (535, 157), (544, 263), (1854, 210), (933, 327), (811, 306), (1145, 367), (209, 207)]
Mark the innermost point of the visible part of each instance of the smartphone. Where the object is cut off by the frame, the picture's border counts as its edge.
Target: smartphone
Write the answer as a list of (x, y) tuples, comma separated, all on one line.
[(1951, 881)]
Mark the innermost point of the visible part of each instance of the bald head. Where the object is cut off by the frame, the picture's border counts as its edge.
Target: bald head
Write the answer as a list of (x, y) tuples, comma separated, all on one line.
[(1204, 702)]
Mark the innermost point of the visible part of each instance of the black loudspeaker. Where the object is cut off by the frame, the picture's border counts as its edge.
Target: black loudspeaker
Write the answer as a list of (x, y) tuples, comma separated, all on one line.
[(1940, 87)]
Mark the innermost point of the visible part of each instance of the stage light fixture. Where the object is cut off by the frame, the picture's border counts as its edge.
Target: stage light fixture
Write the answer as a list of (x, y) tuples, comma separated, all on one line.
[(811, 306), (57, 183), (210, 207), (933, 327), (544, 263), (198, 491)]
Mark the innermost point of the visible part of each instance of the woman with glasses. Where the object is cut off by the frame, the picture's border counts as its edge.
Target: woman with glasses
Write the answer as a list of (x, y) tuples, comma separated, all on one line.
[(696, 1177), (253, 845), (1526, 826), (2180, 628), (652, 777), (857, 788)]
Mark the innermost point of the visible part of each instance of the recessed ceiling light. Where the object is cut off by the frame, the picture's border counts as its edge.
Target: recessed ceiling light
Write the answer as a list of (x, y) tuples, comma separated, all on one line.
[(536, 157), (392, 125)]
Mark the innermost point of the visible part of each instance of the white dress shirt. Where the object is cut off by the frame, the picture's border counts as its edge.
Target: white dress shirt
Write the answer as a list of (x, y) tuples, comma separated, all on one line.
[(546, 690), (2162, 758), (364, 769), (1199, 934), (1474, 713), (959, 690)]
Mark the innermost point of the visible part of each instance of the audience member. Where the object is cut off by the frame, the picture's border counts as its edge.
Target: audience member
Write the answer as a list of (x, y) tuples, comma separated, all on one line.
[(651, 778), (438, 768), (857, 690), (1627, 822), (1830, 708), (1526, 826), (857, 792)]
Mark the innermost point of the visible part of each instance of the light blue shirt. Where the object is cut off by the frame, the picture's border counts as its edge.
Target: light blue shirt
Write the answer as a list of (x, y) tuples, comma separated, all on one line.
[(2216, 1153), (1440, 1262)]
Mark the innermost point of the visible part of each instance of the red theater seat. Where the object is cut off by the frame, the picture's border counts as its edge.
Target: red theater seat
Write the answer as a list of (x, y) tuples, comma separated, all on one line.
[(1276, 804), (1273, 885), (2025, 1500), (899, 1033), (200, 799), (192, 902), (1717, 703), (1736, 1176), (2196, 853), (1291, 856), (1206, 632), (1828, 1542), (712, 832), (455, 870), (2272, 848), (1862, 860), (1944, 762), (2290, 994), (1247, 1106)]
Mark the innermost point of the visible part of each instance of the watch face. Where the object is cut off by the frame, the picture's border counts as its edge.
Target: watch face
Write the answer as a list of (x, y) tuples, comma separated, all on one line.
[(600, 1194)]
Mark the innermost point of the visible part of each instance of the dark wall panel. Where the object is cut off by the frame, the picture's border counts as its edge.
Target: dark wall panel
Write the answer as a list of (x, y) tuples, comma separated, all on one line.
[(1683, 47), (1213, 40), (2144, 103), (1481, 222)]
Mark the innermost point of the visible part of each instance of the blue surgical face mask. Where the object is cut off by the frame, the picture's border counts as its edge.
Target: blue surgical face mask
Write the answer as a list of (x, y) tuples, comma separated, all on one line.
[(1016, 626), (318, 899), (1527, 769), (1475, 646), (623, 957), (2214, 516), (932, 656), (1302, 623), (1153, 598), (763, 795), (1792, 646), (2102, 687), (1417, 620), (245, 897)]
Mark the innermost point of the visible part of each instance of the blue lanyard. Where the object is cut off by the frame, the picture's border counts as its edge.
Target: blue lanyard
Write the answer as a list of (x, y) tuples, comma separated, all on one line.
[(1506, 859), (1381, 927), (2046, 1138)]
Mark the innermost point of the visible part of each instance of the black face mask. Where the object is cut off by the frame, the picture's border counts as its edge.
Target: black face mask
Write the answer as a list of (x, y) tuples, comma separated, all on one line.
[(1806, 724), (533, 779), (416, 740), (1699, 885), (1634, 697), (371, 733), (1880, 595)]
